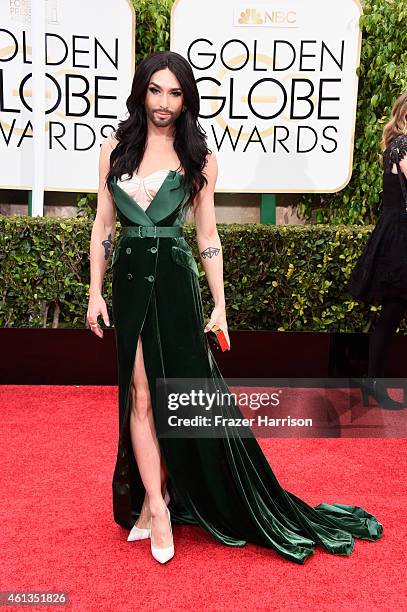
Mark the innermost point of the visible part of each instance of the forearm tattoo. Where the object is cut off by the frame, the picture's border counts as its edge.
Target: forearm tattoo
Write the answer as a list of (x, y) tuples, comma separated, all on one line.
[(108, 245), (210, 252)]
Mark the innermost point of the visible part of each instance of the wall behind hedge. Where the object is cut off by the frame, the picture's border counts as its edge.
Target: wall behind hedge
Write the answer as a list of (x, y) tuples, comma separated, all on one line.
[(276, 277)]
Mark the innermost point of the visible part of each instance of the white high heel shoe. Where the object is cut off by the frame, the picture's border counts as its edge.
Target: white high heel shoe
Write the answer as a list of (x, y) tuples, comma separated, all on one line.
[(162, 554), (138, 533)]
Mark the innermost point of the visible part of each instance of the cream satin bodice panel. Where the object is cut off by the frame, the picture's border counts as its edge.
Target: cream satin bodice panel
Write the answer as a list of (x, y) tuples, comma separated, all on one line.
[(143, 189)]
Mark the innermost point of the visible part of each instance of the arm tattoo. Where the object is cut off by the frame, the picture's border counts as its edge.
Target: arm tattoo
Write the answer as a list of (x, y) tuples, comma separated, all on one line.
[(210, 252), (107, 244)]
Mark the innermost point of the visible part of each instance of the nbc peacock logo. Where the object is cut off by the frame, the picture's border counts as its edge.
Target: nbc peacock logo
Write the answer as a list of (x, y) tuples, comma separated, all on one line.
[(250, 17)]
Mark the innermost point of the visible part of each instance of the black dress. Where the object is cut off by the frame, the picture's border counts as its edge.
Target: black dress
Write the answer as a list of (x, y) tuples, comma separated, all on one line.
[(381, 271)]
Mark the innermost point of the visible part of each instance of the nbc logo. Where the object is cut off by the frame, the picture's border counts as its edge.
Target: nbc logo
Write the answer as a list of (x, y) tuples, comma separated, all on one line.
[(265, 17)]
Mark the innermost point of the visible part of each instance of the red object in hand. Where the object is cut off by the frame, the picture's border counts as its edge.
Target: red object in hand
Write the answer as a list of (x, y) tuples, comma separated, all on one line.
[(218, 338)]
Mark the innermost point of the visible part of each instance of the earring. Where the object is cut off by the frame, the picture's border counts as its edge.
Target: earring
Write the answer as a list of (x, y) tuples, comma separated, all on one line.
[(184, 108)]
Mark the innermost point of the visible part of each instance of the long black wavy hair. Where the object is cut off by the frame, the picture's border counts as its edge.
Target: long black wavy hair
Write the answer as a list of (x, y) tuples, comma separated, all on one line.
[(189, 140)]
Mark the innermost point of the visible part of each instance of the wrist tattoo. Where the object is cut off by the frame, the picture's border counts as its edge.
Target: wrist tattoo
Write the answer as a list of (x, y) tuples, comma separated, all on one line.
[(107, 245), (210, 252)]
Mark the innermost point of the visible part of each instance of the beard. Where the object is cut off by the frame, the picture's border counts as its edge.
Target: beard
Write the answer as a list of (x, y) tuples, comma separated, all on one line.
[(162, 121)]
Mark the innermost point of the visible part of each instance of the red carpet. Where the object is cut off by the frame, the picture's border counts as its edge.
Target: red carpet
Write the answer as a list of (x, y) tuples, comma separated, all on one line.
[(58, 454)]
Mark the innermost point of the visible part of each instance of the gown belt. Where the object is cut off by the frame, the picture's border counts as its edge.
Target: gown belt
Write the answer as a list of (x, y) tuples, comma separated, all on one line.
[(152, 231)]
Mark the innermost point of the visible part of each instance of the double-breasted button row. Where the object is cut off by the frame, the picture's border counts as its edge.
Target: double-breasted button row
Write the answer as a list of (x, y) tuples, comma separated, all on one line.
[(149, 278), (152, 249)]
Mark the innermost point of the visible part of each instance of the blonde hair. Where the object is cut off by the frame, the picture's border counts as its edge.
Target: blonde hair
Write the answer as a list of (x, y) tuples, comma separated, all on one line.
[(398, 123)]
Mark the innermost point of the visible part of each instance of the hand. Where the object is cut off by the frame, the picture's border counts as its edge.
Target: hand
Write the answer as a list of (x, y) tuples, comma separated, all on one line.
[(96, 308), (218, 317)]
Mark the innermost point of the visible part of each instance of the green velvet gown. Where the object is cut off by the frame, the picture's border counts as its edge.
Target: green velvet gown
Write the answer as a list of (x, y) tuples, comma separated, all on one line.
[(223, 484)]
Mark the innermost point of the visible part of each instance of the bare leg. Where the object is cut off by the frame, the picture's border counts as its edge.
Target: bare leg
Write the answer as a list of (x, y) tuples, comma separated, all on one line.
[(147, 454), (143, 522)]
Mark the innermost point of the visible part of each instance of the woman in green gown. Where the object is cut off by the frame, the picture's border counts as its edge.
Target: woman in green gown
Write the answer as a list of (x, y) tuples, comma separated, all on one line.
[(222, 483)]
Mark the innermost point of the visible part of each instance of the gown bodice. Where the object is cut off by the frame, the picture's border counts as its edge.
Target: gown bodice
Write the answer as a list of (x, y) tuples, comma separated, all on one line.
[(143, 189), (159, 198)]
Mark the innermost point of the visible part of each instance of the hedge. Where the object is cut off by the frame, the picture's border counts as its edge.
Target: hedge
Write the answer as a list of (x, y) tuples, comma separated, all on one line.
[(276, 277)]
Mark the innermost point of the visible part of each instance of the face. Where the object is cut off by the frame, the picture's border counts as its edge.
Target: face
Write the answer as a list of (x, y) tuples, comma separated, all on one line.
[(164, 98)]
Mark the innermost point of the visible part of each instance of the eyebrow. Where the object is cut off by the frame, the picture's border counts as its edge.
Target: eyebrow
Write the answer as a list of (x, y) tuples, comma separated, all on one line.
[(159, 87)]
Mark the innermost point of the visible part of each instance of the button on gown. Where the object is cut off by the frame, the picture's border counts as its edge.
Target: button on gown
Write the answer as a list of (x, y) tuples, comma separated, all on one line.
[(223, 484)]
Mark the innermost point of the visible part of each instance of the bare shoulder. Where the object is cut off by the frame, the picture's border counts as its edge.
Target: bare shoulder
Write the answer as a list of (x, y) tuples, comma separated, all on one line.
[(211, 167), (211, 163), (106, 148), (109, 143)]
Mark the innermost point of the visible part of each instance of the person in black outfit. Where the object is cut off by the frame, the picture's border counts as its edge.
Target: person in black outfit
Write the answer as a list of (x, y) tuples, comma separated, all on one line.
[(380, 273)]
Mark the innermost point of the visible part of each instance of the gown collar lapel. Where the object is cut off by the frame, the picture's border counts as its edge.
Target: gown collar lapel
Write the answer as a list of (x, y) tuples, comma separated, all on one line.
[(169, 196)]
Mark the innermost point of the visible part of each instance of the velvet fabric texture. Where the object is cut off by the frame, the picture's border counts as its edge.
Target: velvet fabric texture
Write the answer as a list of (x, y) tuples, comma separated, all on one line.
[(223, 484)]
